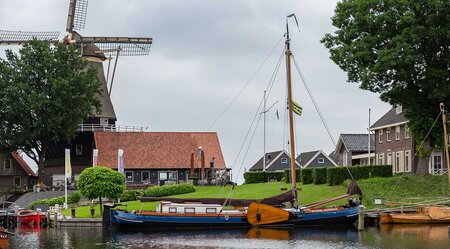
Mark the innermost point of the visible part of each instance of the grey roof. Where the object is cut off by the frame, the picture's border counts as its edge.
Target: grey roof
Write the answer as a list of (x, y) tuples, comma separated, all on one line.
[(259, 164), (306, 156), (391, 117), (358, 142), (334, 156)]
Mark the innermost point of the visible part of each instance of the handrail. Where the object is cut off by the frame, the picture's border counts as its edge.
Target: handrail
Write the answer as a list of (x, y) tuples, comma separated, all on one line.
[(110, 128)]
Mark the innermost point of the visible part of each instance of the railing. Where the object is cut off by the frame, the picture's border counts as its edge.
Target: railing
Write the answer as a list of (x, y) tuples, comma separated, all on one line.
[(110, 128)]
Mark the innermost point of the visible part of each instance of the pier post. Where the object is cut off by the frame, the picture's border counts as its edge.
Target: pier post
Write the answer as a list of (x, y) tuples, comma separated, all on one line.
[(361, 218)]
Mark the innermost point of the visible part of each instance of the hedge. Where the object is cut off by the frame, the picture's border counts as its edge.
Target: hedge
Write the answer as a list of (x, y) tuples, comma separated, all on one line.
[(167, 190), (259, 176), (287, 175), (131, 195), (319, 175), (306, 175), (71, 199), (337, 175)]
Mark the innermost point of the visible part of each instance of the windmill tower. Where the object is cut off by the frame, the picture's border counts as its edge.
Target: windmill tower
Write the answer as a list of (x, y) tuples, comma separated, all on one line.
[(95, 50)]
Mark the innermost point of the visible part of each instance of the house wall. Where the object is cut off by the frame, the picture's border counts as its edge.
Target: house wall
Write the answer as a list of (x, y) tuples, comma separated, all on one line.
[(7, 175), (396, 148), (316, 163), (281, 163), (345, 157)]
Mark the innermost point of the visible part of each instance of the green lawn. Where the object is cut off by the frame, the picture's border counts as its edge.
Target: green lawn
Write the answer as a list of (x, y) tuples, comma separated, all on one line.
[(397, 188), (309, 193)]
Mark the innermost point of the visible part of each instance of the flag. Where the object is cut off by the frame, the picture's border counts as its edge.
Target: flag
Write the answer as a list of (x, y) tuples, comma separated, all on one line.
[(296, 108), (120, 166), (68, 166), (94, 157)]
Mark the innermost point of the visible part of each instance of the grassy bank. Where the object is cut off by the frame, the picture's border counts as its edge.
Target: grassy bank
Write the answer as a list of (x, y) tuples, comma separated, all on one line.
[(397, 188)]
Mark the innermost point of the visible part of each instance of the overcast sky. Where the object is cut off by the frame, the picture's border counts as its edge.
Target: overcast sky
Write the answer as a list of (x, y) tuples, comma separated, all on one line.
[(203, 54)]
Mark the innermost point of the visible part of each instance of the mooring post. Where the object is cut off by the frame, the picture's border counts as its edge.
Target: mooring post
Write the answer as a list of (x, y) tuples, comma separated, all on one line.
[(361, 218)]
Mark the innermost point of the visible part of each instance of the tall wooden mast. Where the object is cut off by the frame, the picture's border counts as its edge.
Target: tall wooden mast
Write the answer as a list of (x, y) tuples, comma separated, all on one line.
[(444, 123), (291, 115)]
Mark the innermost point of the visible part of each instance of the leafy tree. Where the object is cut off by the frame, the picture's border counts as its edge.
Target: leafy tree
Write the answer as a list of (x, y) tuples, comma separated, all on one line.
[(400, 49), (98, 182), (45, 92)]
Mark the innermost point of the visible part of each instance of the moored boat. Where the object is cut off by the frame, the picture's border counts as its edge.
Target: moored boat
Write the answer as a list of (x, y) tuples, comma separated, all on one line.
[(423, 215), (31, 217)]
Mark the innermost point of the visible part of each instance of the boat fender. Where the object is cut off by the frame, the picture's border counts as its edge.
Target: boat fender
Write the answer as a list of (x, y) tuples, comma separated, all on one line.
[(258, 216), (227, 217)]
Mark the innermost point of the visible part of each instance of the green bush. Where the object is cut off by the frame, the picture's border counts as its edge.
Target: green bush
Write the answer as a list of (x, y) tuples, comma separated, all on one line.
[(337, 175), (319, 175), (287, 175), (71, 199), (274, 176), (131, 195), (259, 176), (167, 190), (307, 175)]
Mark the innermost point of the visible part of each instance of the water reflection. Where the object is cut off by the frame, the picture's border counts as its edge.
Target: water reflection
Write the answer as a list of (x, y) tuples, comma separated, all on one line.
[(383, 237)]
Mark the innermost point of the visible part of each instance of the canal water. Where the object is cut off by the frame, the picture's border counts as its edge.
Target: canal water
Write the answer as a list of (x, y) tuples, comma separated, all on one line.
[(390, 236)]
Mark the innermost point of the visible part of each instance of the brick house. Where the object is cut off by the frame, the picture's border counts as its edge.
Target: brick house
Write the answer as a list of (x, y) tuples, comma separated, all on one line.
[(275, 161), (315, 158), (14, 171), (352, 149), (394, 144)]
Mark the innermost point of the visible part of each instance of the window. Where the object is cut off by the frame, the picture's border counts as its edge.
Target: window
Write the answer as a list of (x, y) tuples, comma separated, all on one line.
[(397, 132), (284, 160), (79, 149), (407, 162), (189, 210), (406, 132), (398, 109), (380, 136), (388, 134), (211, 210), (162, 175), (17, 181), (389, 157), (103, 121), (7, 164), (399, 161), (129, 176), (172, 209), (321, 160), (145, 176), (381, 159)]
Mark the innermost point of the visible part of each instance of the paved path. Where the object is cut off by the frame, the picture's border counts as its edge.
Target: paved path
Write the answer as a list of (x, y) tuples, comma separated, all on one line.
[(27, 198)]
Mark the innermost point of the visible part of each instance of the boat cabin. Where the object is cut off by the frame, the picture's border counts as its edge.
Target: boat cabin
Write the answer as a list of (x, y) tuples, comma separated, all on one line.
[(190, 207)]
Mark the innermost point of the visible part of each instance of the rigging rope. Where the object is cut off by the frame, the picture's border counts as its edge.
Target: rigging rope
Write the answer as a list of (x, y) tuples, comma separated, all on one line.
[(246, 85)]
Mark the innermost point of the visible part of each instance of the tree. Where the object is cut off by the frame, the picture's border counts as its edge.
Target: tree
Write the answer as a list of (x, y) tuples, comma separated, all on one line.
[(45, 92), (98, 182), (400, 49)]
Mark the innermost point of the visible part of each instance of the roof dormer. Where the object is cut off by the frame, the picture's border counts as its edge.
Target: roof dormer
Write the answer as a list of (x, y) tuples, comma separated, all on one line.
[(398, 109)]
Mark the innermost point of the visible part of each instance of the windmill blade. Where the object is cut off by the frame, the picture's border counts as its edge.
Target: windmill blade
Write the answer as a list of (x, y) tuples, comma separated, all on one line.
[(76, 18), (128, 46), (20, 37)]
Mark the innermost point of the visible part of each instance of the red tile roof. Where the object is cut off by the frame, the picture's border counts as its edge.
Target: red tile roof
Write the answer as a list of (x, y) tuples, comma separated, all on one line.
[(23, 164), (147, 150)]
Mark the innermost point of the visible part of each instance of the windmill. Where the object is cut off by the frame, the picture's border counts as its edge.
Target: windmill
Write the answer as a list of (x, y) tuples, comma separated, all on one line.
[(94, 49)]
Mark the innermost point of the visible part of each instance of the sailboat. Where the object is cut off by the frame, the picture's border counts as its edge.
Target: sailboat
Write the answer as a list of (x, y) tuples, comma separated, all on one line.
[(215, 212)]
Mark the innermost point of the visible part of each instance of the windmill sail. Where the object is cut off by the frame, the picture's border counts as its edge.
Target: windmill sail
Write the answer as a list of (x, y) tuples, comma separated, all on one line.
[(129, 46), (8, 37), (76, 19)]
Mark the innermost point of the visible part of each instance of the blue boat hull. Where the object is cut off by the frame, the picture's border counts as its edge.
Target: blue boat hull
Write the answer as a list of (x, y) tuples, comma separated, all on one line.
[(125, 219)]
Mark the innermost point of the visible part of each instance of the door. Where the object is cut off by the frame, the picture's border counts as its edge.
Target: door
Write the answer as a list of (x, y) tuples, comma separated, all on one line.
[(17, 181), (435, 166)]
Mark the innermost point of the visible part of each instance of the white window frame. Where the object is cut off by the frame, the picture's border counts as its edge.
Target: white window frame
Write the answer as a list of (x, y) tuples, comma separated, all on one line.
[(381, 159), (132, 176), (172, 210), (142, 176), (211, 210), (189, 210), (388, 134), (398, 109), (321, 160), (407, 161), (284, 160), (406, 132), (104, 121), (397, 132), (79, 149), (389, 157), (380, 136), (9, 163)]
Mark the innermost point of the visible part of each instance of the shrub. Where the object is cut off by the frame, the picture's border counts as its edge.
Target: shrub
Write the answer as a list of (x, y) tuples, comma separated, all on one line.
[(306, 175), (254, 177), (71, 199), (167, 190), (319, 175), (131, 195), (274, 175), (287, 175), (337, 175)]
